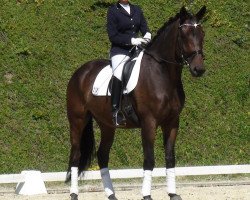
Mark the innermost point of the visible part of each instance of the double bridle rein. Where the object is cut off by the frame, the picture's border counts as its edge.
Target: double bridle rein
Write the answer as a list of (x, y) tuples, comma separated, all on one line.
[(185, 59)]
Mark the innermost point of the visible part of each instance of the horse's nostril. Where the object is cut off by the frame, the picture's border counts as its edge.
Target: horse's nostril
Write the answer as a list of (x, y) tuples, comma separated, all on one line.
[(198, 71)]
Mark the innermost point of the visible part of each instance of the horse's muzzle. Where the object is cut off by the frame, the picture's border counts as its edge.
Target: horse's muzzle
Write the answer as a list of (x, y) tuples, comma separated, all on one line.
[(197, 71)]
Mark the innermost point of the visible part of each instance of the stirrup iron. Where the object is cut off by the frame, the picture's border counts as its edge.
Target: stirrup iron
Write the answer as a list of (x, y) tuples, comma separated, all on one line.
[(119, 119)]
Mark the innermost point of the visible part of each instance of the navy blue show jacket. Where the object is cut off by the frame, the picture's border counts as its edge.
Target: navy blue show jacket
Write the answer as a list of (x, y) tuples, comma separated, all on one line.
[(122, 26)]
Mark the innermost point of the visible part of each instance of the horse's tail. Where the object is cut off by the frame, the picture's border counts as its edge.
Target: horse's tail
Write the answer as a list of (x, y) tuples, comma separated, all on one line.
[(87, 149), (87, 146)]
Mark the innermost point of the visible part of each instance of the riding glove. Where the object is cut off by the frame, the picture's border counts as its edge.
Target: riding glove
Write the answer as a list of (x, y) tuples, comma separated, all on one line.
[(138, 41), (147, 37)]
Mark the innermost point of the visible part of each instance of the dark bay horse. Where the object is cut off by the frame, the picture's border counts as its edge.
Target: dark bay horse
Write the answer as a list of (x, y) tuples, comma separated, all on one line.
[(158, 100)]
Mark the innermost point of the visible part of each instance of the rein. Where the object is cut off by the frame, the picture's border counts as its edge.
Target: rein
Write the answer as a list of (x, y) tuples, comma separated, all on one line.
[(160, 60), (184, 59)]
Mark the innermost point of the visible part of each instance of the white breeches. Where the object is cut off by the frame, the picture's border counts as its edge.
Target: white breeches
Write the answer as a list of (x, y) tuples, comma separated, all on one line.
[(118, 62)]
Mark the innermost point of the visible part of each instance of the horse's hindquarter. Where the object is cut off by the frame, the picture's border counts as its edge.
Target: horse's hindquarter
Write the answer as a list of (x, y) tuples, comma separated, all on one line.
[(79, 89)]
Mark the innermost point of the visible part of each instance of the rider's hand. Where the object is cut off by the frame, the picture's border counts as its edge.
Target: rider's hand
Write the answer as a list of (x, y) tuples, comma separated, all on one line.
[(138, 41), (147, 37)]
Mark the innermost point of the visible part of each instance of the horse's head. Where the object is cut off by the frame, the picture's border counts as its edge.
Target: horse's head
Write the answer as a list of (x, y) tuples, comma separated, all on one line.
[(191, 40)]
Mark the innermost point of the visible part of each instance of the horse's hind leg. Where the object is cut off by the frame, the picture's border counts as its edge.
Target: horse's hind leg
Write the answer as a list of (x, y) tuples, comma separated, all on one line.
[(82, 143), (107, 138), (76, 130)]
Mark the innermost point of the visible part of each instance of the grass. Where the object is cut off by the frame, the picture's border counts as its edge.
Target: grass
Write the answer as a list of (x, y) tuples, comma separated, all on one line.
[(43, 42)]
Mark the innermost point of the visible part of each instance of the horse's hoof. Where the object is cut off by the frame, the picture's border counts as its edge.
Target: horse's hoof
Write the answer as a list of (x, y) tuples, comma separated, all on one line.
[(112, 197), (74, 196), (147, 198), (175, 197)]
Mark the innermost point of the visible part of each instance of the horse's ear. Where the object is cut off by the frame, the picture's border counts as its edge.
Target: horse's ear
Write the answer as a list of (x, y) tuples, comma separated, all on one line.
[(201, 13), (183, 14)]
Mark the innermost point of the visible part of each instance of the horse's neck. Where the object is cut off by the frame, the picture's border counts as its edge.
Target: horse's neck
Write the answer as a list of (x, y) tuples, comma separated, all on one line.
[(165, 46)]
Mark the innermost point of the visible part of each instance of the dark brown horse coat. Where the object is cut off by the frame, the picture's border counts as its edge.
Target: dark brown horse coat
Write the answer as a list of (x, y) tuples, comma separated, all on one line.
[(157, 99)]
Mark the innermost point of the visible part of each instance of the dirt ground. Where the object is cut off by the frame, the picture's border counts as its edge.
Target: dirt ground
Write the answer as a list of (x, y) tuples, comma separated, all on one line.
[(236, 191)]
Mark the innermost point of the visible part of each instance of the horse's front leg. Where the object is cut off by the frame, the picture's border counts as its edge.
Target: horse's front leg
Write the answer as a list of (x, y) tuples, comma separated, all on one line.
[(148, 139), (170, 133)]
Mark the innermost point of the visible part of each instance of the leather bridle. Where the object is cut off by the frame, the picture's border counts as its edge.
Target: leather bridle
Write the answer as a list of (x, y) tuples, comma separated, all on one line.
[(185, 59)]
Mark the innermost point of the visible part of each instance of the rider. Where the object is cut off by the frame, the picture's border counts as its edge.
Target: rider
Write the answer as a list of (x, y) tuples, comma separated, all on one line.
[(124, 21)]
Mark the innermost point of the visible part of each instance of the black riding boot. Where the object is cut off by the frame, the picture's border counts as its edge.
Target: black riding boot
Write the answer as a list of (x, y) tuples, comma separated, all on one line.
[(116, 93)]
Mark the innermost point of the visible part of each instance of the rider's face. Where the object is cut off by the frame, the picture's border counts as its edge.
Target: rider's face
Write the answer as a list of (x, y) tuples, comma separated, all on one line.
[(123, 1)]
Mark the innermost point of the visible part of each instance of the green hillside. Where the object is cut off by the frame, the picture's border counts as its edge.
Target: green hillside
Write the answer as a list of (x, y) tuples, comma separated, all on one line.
[(43, 42)]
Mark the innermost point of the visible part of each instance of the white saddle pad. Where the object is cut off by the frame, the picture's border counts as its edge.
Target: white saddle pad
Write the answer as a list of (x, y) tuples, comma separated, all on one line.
[(100, 87)]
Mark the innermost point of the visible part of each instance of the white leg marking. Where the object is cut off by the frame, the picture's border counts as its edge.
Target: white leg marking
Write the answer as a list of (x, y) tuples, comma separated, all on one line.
[(107, 183), (171, 185), (74, 180), (147, 181)]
